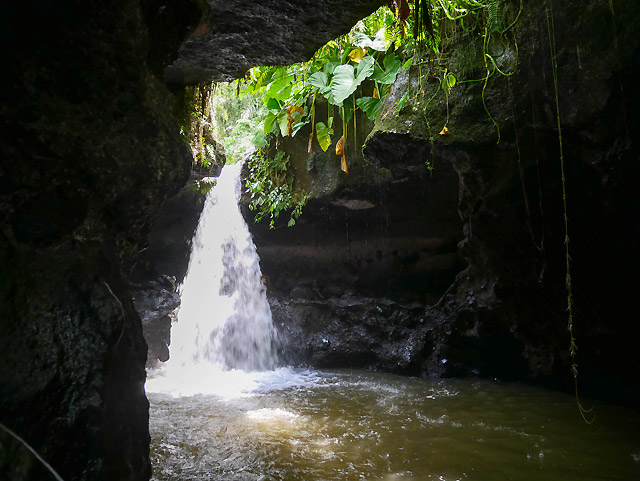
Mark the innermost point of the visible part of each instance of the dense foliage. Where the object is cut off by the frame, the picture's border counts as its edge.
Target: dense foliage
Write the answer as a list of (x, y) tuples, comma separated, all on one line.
[(272, 189), (353, 72), (356, 71)]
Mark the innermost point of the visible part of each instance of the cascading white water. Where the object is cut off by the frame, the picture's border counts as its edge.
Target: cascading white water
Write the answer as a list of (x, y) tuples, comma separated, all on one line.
[(224, 321)]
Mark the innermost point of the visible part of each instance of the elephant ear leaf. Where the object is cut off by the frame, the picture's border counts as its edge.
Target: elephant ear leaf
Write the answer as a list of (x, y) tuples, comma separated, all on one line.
[(365, 69), (387, 75), (342, 84), (318, 79), (379, 43), (283, 122), (346, 79), (370, 106)]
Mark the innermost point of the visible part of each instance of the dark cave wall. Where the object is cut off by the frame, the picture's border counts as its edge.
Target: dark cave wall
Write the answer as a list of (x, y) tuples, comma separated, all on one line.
[(507, 311), (90, 150), (350, 283)]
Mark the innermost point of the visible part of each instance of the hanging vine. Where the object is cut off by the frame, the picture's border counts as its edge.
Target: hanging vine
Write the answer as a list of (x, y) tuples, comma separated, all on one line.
[(573, 349)]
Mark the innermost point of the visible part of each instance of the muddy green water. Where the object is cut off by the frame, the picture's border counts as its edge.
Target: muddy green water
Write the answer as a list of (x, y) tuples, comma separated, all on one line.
[(309, 425)]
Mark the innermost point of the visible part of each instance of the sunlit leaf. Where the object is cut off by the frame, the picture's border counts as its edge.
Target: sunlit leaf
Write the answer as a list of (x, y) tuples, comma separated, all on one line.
[(378, 43), (283, 122), (269, 122), (357, 54), (318, 79), (342, 84), (323, 134), (451, 79), (346, 79), (330, 66), (280, 85), (365, 69), (273, 104)]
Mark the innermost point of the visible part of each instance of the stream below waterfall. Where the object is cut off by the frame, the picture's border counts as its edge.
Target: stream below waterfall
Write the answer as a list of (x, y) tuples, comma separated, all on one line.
[(221, 409), (297, 425)]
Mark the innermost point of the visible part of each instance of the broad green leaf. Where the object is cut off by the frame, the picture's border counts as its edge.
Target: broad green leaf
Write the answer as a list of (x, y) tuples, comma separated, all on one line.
[(451, 79), (448, 82), (407, 64), (318, 79), (343, 84), (370, 106), (330, 66), (279, 84), (268, 122), (387, 75), (272, 104), (365, 69), (346, 80)]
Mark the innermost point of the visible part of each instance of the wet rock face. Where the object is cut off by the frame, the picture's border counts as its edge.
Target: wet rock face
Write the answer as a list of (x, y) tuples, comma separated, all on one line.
[(357, 332), (504, 313), (89, 151), (163, 264), (350, 284), (511, 299), (379, 243)]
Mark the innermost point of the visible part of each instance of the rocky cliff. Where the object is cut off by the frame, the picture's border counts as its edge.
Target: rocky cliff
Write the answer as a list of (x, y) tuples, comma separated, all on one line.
[(462, 270)]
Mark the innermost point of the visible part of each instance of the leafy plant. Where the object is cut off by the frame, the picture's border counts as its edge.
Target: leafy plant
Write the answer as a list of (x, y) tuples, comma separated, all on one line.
[(354, 72), (272, 189), (337, 72)]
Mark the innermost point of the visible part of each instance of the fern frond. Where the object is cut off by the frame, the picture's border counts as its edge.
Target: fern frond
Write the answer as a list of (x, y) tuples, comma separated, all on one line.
[(494, 20)]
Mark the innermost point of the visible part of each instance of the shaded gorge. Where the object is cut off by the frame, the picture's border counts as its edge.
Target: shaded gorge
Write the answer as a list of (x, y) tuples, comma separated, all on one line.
[(224, 408)]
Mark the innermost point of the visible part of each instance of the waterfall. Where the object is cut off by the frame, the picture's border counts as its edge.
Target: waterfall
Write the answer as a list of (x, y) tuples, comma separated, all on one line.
[(224, 321)]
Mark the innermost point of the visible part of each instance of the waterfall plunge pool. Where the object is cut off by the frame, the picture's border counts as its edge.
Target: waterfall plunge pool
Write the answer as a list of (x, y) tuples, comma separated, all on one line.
[(211, 420), (302, 425)]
